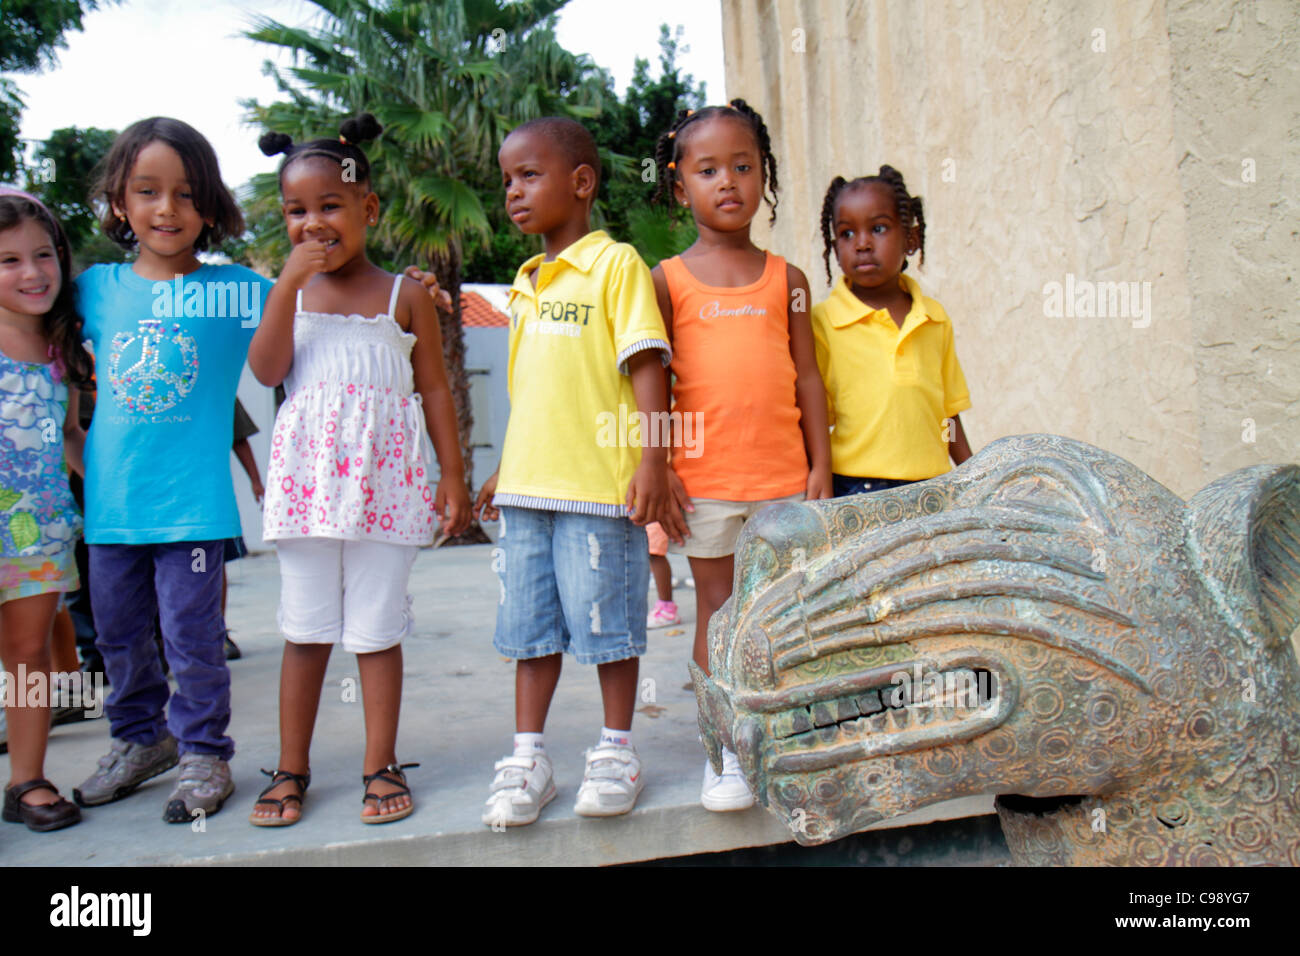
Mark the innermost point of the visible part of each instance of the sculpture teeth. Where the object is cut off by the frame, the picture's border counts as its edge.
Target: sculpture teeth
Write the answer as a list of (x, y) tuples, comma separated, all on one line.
[(925, 714), (948, 713)]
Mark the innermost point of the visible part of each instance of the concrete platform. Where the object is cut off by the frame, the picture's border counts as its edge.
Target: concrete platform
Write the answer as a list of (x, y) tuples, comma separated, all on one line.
[(457, 719)]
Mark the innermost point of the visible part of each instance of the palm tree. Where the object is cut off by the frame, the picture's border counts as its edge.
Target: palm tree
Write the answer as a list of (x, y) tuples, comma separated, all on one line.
[(447, 80)]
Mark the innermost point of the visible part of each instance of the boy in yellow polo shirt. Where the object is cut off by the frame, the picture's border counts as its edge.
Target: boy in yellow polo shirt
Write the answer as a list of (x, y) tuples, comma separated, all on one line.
[(587, 347), (885, 351)]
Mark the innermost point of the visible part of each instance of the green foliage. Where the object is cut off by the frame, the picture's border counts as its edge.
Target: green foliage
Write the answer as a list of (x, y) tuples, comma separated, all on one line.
[(64, 172), (648, 109), (30, 34), (447, 81)]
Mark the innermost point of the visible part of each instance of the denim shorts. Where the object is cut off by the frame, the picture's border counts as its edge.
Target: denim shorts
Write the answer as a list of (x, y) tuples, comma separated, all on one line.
[(571, 582)]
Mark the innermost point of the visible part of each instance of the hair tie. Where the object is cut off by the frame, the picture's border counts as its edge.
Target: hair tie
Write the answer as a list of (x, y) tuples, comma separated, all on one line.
[(690, 113), (672, 166), (672, 134), (344, 140)]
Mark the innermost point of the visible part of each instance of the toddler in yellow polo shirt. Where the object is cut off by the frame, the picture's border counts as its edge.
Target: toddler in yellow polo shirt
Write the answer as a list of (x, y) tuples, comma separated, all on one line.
[(893, 383), (574, 490)]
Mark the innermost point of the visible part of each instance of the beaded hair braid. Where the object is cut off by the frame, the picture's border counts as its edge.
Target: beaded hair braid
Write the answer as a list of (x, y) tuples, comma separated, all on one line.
[(907, 207), (669, 149)]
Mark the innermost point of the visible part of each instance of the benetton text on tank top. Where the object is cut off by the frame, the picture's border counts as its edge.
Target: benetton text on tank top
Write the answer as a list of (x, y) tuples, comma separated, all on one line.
[(713, 310)]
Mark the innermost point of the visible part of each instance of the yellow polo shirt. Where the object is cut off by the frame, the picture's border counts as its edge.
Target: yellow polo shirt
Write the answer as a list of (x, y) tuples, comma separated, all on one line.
[(571, 442), (889, 389)]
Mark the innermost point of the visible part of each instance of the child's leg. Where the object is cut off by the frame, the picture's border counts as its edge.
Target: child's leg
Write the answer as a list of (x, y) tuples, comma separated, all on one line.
[(381, 694), (63, 644), (712, 588), (302, 673), (124, 602), (311, 620), (188, 581), (535, 683), (25, 643), (618, 686), (376, 618), (663, 575)]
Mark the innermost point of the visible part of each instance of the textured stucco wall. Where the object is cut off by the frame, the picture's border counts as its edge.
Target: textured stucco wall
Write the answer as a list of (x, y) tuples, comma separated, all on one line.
[(1236, 85), (1096, 140)]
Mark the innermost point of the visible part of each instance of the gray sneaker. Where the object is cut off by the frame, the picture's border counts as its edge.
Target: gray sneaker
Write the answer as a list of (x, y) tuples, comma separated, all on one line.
[(124, 768), (205, 785)]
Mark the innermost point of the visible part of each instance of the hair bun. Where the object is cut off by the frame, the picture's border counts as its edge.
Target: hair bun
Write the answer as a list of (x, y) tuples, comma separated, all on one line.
[(272, 144), (360, 129)]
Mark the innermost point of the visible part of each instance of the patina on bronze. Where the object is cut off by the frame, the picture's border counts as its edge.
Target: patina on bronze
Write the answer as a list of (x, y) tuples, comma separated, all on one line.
[(1046, 623)]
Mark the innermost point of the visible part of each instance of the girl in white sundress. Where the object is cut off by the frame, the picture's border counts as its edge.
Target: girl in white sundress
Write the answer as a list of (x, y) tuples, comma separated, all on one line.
[(349, 494)]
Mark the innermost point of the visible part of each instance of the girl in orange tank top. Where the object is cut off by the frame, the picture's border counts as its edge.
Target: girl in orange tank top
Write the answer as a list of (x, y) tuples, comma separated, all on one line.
[(752, 428)]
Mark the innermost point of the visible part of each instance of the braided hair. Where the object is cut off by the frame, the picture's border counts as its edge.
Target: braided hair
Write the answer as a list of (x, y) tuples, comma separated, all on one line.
[(669, 148), (347, 146), (907, 207)]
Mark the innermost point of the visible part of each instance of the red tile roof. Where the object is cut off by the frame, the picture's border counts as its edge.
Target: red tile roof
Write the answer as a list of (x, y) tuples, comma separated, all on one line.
[(476, 312)]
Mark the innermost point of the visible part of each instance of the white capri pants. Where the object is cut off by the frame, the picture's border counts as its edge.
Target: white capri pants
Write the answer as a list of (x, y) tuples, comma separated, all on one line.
[(349, 592)]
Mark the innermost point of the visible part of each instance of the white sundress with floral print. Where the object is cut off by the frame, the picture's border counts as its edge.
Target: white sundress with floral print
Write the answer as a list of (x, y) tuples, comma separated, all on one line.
[(350, 454)]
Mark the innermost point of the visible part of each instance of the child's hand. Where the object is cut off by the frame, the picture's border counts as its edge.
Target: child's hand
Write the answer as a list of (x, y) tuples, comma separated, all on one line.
[(819, 485), (306, 260), (650, 497), (483, 509), (681, 502), (259, 491), (451, 503), (441, 297)]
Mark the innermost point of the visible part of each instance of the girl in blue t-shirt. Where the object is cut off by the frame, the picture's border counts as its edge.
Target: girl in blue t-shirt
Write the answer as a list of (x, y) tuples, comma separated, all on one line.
[(170, 336), (40, 353)]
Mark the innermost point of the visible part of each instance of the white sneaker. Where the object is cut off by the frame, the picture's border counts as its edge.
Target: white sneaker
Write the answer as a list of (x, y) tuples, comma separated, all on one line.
[(611, 782), (728, 791), (521, 787)]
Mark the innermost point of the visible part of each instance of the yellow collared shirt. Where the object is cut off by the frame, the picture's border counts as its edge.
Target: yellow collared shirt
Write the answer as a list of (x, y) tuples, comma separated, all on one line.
[(889, 389), (569, 444)]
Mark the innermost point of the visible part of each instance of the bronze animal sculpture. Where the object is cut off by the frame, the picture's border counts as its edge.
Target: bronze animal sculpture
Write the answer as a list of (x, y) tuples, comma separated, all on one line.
[(1046, 623)]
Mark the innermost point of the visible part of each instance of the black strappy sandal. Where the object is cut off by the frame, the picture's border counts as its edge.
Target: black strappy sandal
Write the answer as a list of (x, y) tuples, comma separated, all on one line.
[(390, 774), (303, 780)]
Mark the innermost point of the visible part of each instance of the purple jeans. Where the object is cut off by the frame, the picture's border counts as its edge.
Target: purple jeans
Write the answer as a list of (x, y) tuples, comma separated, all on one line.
[(181, 581)]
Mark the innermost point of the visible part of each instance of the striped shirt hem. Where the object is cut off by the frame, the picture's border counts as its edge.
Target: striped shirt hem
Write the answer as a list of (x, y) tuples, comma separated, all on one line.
[(595, 508), (641, 346)]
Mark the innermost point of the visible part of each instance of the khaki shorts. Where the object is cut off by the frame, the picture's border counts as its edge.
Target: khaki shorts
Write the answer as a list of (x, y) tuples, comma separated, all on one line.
[(715, 525)]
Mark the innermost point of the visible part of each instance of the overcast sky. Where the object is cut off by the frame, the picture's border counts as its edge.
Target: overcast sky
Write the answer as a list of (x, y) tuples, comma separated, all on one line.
[(188, 60)]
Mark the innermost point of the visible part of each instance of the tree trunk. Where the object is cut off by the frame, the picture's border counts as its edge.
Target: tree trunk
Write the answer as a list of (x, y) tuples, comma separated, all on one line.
[(447, 269)]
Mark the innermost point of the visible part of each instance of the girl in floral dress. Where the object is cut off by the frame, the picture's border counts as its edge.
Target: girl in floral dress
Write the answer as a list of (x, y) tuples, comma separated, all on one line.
[(349, 495), (40, 351)]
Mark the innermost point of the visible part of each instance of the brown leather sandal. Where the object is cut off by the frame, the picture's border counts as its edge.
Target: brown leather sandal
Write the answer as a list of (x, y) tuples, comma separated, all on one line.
[(303, 780), (390, 774), (39, 817)]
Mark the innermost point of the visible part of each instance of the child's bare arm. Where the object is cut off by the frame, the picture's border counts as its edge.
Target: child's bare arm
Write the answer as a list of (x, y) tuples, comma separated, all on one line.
[(810, 395), (649, 493), (244, 453), (74, 436), (958, 446), (270, 355), (665, 300), (452, 499)]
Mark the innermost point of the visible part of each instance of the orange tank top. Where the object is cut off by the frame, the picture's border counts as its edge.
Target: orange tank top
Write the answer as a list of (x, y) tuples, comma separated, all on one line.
[(739, 434)]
